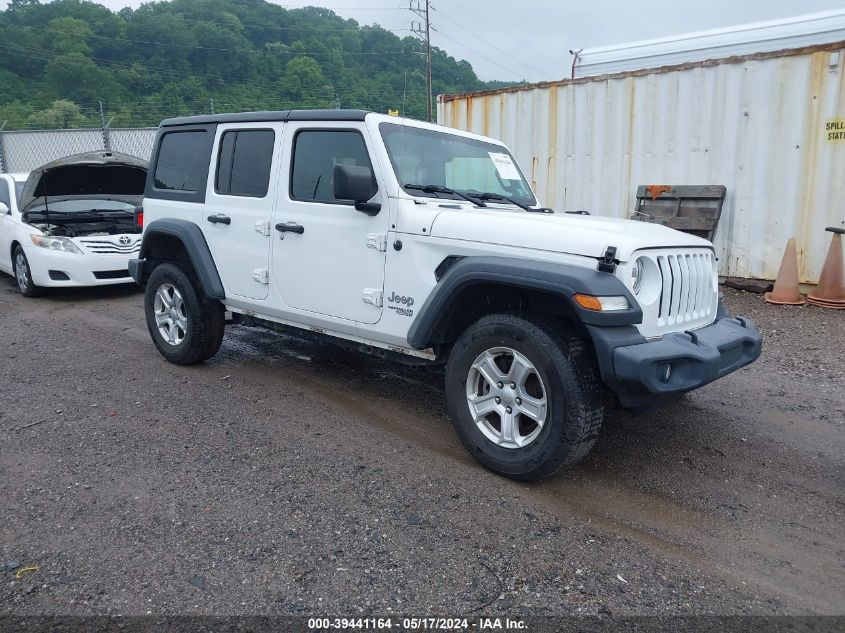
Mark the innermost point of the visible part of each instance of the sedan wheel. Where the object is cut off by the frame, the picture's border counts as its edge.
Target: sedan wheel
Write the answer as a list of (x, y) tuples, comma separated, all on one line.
[(23, 274), (21, 271)]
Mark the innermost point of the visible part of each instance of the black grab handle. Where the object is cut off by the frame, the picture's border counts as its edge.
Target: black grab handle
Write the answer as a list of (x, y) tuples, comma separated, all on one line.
[(219, 219), (290, 227)]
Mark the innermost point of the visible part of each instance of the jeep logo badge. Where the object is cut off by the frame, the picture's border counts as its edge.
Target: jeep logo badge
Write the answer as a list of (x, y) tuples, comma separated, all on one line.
[(406, 301)]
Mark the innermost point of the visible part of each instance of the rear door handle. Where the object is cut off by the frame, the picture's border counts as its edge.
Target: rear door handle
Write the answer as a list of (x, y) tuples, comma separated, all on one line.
[(290, 227), (219, 219)]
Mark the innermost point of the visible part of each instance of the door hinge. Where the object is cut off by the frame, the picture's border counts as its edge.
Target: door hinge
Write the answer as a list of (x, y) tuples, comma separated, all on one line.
[(373, 297), (263, 228), (261, 275), (377, 241), (607, 264)]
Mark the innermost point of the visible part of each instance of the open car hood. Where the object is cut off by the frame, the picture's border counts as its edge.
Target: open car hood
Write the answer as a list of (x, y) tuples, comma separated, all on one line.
[(99, 175)]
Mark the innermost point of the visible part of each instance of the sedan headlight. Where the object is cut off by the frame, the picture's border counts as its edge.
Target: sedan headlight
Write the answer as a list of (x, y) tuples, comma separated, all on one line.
[(55, 243)]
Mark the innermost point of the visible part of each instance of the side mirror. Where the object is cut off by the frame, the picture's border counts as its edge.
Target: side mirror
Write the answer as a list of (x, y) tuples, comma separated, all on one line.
[(4, 208), (356, 183)]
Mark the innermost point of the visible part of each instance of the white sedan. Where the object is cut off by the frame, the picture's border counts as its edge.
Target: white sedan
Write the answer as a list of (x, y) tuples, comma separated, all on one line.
[(73, 222)]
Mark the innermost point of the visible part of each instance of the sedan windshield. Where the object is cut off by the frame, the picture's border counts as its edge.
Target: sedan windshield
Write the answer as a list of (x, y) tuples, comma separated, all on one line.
[(431, 160)]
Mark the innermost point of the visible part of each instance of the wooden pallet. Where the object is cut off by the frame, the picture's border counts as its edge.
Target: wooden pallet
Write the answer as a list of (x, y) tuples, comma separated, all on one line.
[(689, 208)]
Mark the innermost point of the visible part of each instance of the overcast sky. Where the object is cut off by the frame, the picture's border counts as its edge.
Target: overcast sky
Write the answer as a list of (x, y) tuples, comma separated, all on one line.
[(530, 39)]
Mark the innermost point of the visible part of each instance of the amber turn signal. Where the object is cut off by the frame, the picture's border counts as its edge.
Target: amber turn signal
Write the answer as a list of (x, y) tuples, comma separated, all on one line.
[(601, 304), (588, 302)]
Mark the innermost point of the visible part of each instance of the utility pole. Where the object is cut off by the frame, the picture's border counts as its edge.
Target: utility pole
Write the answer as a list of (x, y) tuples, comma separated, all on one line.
[(415, 7)]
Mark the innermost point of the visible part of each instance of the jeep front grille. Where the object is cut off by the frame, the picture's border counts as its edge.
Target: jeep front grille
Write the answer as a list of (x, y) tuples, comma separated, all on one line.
[(687, 287), (106, 247), (688, 294)]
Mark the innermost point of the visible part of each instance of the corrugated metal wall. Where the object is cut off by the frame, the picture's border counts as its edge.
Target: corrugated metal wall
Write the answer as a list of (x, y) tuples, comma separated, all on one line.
[(756, 125)]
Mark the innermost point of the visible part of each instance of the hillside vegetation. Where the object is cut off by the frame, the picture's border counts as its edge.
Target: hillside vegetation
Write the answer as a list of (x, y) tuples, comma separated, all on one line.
[(59, 60)]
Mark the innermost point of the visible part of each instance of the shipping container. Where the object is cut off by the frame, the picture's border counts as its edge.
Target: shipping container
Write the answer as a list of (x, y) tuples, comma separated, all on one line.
[(766, 125), (743, 39)]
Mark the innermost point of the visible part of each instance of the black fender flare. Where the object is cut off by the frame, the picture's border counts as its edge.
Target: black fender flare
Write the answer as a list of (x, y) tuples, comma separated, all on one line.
[(191, 237), (565, 280)]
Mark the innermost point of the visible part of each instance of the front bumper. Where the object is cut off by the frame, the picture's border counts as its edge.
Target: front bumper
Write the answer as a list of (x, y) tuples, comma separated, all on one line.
[(636, 369), (55, 269)]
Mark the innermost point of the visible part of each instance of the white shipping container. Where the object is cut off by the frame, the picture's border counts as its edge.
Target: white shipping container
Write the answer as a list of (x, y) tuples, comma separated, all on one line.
[(742, 39), (764, 125)]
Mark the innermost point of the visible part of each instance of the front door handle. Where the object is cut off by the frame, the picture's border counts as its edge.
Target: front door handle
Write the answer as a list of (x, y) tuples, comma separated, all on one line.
[(290, 227), (219, 219)]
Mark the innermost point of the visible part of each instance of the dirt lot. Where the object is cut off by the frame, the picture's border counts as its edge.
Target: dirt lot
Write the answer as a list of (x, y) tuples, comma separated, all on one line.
[(290, 478)]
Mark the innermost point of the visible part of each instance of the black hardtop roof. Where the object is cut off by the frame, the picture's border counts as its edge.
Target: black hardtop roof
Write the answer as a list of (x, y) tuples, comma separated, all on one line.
[(279, 115)]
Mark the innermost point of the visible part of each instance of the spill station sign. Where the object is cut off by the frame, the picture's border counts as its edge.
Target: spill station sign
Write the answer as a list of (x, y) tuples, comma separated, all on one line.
[(834, 130)]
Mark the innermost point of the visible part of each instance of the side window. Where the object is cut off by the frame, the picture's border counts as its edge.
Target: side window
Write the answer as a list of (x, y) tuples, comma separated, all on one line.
[(244, 161), (182, 161), (4, 194), (315, 154)]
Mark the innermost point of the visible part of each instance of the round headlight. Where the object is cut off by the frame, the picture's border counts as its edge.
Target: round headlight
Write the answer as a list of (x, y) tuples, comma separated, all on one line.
[(637, 275)]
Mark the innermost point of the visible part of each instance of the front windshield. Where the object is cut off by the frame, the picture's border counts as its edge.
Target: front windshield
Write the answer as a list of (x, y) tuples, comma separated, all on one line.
[(19, 190), (429, 157)]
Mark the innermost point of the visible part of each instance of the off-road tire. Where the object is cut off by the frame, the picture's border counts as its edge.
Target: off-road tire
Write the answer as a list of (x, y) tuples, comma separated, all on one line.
[(567, 366), (205, 317), (29, 289)]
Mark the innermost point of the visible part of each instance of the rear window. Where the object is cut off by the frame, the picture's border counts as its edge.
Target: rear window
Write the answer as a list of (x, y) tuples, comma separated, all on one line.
[(182, 163), (243, 165), (4, 194)]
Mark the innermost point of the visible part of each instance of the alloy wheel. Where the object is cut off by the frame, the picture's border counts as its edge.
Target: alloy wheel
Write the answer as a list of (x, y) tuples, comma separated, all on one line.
[(21, 272), (170, 315), (506, 397)]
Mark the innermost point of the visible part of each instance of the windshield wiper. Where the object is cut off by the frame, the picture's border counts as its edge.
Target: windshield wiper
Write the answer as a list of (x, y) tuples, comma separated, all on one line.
[(496, 196), (440, 189)]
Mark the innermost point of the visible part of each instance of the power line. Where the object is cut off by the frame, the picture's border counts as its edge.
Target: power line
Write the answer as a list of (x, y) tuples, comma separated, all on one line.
[(310, 6), (46, 55), (525, 44), (204, 48), (477, 52), (485, 41), (315, 29)]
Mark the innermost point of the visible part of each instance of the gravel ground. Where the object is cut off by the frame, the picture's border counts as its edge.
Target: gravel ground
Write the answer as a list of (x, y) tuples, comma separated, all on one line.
[(291, 478)]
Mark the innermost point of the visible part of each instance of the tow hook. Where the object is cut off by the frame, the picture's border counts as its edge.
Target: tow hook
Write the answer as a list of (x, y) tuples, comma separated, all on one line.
[(607, 264)]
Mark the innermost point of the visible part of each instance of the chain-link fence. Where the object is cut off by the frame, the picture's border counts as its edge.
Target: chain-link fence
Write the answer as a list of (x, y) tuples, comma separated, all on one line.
[(24, 150)]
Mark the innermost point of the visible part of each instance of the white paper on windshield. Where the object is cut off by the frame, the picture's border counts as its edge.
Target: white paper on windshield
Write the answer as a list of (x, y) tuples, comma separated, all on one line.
[(505, 166)]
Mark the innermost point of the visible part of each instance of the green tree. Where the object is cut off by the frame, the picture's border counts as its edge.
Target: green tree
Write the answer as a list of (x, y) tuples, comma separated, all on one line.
[(305, 83), (60, 114), (69, 36), (172, 57)]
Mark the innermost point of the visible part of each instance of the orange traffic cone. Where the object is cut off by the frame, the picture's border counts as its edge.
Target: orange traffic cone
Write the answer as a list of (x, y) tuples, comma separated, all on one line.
[(830, 293), (785, 291)]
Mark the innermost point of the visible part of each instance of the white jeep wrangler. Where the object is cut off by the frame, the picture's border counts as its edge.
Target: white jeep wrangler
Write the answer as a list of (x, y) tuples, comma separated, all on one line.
[(426, 244)]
